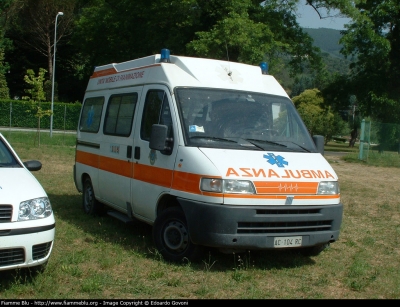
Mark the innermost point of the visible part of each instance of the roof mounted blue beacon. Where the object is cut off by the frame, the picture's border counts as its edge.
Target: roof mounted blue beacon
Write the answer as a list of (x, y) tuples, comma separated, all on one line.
[(165, 58), (264, 68)]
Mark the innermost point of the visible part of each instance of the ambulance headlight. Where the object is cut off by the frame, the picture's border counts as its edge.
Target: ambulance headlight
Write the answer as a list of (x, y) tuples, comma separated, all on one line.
[(328, 187), (227, 186), (239, 186)]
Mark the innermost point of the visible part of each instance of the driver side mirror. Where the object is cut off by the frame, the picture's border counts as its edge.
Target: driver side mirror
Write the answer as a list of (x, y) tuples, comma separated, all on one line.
[(159, 140), (319, 143)]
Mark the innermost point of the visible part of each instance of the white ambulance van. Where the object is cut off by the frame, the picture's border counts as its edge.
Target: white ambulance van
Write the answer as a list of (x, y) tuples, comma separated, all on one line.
[(210, 153)]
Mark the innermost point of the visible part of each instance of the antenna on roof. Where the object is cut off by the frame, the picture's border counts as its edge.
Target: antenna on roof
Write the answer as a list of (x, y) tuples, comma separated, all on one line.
[(227, 55)]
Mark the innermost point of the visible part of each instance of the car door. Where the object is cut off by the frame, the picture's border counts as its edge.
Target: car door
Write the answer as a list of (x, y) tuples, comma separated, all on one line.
[(116, 169), (153, 170)]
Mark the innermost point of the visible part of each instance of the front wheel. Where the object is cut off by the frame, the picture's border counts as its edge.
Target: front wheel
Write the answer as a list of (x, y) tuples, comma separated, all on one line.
[(171, 236)]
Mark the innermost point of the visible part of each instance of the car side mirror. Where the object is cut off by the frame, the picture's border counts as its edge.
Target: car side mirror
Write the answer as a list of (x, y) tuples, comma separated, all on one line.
[(319, 143), (33, 165), (159, 139)]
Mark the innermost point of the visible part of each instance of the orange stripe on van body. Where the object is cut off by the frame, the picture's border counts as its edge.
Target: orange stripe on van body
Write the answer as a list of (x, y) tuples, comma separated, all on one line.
[(87, 158), (187, 182), (151, 174), (190, 183), (104, 72), (116, 166), (112, 165)]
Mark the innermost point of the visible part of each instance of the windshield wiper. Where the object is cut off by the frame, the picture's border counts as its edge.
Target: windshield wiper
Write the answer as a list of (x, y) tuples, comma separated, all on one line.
[(264, 141), (212, 138), (301, 147)]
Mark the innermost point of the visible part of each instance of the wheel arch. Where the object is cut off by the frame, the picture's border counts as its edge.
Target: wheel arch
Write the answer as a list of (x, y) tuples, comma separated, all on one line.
[(85, 176), (166, 201)]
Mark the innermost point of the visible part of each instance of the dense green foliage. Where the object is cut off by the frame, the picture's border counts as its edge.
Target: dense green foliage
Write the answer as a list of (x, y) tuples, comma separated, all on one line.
[(373, 41), (4, 91), (20, 113), (317, 116), (114, 31)]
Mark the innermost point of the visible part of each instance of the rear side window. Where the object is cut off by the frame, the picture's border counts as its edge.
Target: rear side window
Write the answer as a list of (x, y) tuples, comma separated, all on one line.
[(120, 113), (91, 114), (156, 111)]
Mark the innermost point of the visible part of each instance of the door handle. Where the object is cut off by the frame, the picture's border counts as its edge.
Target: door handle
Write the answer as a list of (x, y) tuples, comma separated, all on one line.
[(137, 153)]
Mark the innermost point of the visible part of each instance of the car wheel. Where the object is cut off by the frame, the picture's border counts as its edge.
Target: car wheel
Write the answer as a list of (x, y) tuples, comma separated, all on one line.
[(171, 237), (90, 204)]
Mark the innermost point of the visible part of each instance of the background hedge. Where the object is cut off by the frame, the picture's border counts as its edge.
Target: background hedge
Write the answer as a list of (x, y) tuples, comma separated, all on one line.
[(23, 114)]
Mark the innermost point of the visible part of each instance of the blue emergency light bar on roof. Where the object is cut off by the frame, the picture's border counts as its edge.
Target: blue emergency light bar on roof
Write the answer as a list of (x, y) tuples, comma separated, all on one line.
[(165, 56), (264, 68)]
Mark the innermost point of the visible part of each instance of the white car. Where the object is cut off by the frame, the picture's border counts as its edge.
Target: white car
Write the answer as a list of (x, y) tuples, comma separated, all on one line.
[(27, 224)]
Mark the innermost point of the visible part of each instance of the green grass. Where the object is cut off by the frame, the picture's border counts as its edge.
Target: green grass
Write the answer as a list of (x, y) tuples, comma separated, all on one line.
[(340, 146), (35, 139), (101, 257), (371, 157)]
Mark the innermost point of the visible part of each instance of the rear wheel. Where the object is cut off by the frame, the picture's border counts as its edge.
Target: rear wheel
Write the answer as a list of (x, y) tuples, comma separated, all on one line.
[(171, 237), (90, 204)]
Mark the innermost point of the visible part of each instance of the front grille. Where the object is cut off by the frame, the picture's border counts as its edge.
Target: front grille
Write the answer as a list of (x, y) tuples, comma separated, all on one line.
[(11, 256), (283, 227), (41, 250), (288, 211), (5, 213)]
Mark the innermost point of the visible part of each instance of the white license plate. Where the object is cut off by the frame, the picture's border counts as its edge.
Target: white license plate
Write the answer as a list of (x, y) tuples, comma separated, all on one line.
[(287, 241)]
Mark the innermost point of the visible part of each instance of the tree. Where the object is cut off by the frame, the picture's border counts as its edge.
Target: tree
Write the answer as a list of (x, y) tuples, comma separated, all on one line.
[(34, 26), (36, 94), (317, 116), (373, 40), (4, 92), (237, 30), (5, 7)]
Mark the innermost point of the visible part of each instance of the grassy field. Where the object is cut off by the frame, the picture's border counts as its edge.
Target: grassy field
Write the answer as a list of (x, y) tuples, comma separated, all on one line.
[(101, 257)]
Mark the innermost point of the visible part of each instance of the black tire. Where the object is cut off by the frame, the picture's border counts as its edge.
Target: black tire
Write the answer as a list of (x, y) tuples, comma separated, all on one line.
[(171, 237), (89, 202), (314, 250)]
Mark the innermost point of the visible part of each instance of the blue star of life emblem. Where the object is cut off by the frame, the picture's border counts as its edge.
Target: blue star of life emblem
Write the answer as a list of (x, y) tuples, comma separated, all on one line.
[(152, 156), (278, 160)]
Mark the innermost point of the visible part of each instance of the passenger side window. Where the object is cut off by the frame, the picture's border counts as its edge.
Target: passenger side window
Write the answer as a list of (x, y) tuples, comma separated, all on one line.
[(156, 111), (91, 114), (120, 113)]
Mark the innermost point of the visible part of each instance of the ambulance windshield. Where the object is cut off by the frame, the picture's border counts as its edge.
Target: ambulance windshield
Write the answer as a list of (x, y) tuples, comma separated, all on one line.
[(220, 118)]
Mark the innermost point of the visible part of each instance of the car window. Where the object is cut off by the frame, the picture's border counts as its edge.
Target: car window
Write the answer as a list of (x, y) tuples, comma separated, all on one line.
[(6, 157)]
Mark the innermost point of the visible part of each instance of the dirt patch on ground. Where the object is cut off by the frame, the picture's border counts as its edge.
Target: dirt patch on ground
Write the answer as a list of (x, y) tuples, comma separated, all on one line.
[(377, 184)]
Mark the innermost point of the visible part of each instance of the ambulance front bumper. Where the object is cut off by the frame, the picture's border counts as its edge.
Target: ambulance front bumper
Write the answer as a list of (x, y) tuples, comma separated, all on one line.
[(259, 227)]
